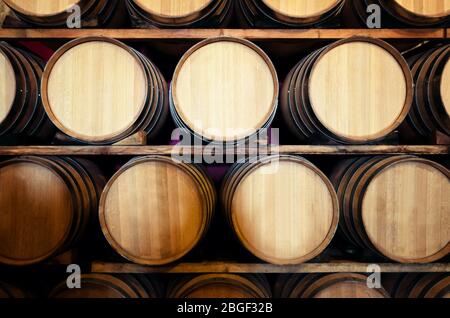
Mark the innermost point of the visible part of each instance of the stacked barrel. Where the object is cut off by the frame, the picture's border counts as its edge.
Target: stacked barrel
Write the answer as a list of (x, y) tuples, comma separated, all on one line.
[(114, 91), (21, 110), (47, 203)]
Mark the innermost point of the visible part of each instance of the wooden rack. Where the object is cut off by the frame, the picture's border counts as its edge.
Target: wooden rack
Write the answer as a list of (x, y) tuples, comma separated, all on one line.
[(256, 35)]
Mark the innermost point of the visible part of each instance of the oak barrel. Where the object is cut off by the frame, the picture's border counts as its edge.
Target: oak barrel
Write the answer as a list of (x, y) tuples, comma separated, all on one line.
[(283, 209), (180, 13), (35, 227), (220, 286), (56, 13), (224, 90), (396, 206), (436, 285), (109, 286), (99, 91), (407, 13), (21, 110), (155, 210), (289, 14), (356, 90), (338, 285), (430, 111)]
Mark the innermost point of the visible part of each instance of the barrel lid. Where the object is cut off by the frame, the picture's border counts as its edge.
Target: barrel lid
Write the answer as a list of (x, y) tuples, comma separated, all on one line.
[(32, 226), (301, 8), (94, 89), (41, 8), (225, 89), (152, 211), (360, 89), (445, 87), (426, 8), (405, 210), (7, 86), (343, 285), (285, 212), (173, 8)]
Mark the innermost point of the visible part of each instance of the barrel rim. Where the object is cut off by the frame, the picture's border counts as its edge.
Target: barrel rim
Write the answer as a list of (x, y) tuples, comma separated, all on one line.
[(14, 97), (326, 240), (252, 46), (411, 15), (46, 76), (67, 231), (193, 14), (401, 160), (297, 17), (14, 6), (116, 245), (408, 82)]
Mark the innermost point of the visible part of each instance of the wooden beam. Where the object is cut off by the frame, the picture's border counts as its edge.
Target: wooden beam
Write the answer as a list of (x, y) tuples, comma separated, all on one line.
[(169, 150), (198, 34), (224, 267)]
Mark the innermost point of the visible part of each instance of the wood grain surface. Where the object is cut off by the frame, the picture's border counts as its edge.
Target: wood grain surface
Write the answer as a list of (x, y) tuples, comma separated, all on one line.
[(32, 225), (41, 8), (445, 87), (406, 211), (224, 89), (7, 86), (153, 211), (358, 90), (172, 8), (301, 8), (433, 8), (94, 90)]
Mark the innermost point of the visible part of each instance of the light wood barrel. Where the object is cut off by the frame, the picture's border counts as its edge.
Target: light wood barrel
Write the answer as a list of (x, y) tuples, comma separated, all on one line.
[(283, 209), (224, 89), (395, 206), (109, 286), (293, 13), (430, 111), (340, 92), (21, 110), (435, 285), (47, 204), (407, 13), (220, 286), (56, 13), (99, 91), (154, 211), (8, 291), (180, 13), (340, 285)]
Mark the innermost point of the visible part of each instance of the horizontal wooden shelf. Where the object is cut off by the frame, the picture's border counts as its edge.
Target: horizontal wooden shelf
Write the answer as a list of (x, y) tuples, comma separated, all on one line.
[(198, 34), (225, 267), (169, 150)]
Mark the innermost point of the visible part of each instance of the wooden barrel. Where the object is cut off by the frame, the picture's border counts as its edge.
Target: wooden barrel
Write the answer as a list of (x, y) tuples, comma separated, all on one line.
[(289, 14), (224, 89), (430, 111), (436, 285), (407, 13), (180, 13), (396, 206), (114, 91), (8, 291), (47, 203), (109, 286), (339, 285), (51, 13), (21, 110), (341, 92), (220, 286), (154, 210), (283, 209)]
